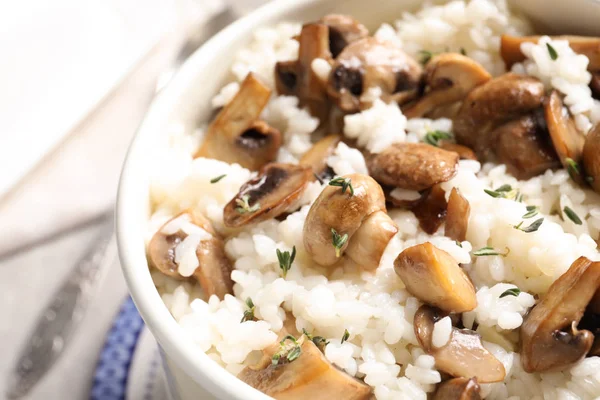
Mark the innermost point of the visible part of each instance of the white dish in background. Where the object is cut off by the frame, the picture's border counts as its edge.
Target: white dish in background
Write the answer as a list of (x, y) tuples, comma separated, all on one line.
[(182, 102)]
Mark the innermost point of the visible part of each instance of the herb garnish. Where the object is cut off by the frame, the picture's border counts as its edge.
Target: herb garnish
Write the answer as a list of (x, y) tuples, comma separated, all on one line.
[(243, 206), (506, 192), (286, 259), (552, 52), (338, 241), (511, 292), (463, 51), (319, 341), (433, 137), (459, 244), (490, 251), (426, 55), (532, 211), (288, 352), (345, 336), (535, 225), (572, 216), (218, 178), (249, 313), (344, 183), (573, 168)]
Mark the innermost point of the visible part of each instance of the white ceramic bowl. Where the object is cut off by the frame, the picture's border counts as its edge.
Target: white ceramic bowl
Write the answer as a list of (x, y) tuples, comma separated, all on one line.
[(186, 100)]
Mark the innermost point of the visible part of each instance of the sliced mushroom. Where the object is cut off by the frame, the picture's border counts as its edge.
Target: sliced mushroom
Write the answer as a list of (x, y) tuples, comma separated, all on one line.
[(549, 335), (275, 190), (343, 30), (412, 166), (434, 277), (458, 389), (431, 210), (345, 213), (463, 355), (372, 63), (595, 85), (297, 77), (510, 48), (457, 216), (448, 78), (236, 135), (464, 153), (371, 239), (214, 268), (316, 157), (591, 157), (490, 104), (525, 147), (566, 138), (310, 376)]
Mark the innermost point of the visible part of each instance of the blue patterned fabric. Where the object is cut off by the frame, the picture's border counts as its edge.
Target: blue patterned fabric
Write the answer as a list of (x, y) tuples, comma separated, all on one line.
[(110, 380)]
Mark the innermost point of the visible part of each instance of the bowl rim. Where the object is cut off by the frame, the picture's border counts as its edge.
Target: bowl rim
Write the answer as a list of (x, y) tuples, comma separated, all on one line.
[(132, 254)]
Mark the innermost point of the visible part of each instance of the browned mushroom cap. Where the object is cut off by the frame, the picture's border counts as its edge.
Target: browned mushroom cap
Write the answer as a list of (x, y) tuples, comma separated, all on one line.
[(369, 63), (591, 157), (412, 166), (214, 268), (297, 77), (236, 135), (434, 277), (464, 153), (316, 157), (498, 100), (457, 216), (310, 376), (342, 212), (448, 77), (566, 138), (549, 335), (458, 389), (524, 146), (343, 30), (275, 190), (510, 48), (370, 240), (463, 355)]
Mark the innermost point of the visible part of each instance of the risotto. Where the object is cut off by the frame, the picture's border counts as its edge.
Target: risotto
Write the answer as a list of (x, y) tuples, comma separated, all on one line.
[(408, 213)]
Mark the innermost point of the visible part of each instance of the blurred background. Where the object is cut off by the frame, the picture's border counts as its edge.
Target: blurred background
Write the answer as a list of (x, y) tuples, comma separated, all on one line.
[(76, 78)]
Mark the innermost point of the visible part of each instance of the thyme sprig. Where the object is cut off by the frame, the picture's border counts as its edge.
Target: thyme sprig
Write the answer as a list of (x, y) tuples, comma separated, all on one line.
[(552, 52), (511, 292), (490, 251), (505, 192), (319, 341), (338, 241), (344, 183), (217, 178), (288, 352), (535, 225), (249, 313), (345, 336), (433, 137), (243, 206), (532, 211), (572, 216), (286, 259)]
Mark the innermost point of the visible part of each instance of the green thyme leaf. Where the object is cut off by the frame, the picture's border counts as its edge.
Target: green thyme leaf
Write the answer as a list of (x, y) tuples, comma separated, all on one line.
[(344, 183), (338, 241), (249, 313), (218, 178), (572, 216), (426, 56), (433, 137), (345, 336), (319, 341), (535, 225), (573, 168), (288, 352), (286, 259), (294, 353), (490, 251), (504, 188), (459, 244), (506, 192), (532, 211), (511, 292), (493, 193), (552, 52), (243, 206)]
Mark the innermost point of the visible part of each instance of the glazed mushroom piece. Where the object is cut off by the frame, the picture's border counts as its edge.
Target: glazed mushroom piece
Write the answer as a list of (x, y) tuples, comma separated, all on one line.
[(458, 389), (349, 224), (493, 103), (343, 30), (435, 278), (372, 63), (309, 376), (566, 138), (448, 78), (463, 355), (412, 166), (550, 338), (211, 267), (457, 216), (276, 190), (316, 156), (298, 78), (510, 48), (237, 135), (591, 157)]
